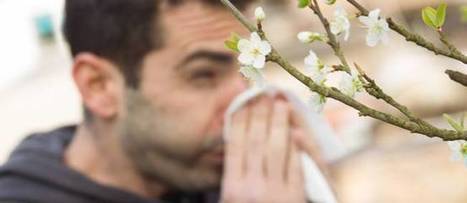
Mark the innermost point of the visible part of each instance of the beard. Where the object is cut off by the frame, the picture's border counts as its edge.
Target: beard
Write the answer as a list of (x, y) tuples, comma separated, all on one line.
[(159, 150)]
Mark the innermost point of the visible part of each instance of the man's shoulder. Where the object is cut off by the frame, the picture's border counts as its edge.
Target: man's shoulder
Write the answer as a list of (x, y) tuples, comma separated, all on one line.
[(34, 169)]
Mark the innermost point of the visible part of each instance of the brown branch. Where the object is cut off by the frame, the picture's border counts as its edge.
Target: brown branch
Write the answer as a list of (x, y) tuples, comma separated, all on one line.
[(415, 38), (240, 17), (363, 109), (446, 42), (457, 77), (334, 93), (373, 89), (359, 7)]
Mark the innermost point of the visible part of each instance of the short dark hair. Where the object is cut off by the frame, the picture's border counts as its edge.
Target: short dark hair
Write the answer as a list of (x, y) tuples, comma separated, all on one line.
[(122, 31)]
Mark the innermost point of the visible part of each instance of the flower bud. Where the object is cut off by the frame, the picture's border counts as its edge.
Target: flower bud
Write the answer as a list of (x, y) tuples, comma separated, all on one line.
[(259, 14), (309, 37)]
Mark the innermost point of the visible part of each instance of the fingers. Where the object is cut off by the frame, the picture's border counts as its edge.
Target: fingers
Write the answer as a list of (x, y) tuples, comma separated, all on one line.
[(262, 163), (278, 142), (295, 170), (297, 121), (235, 147), (257, 135)]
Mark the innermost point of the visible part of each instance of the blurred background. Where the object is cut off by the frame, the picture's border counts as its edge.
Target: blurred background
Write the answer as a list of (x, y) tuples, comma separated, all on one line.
[(384, 163)]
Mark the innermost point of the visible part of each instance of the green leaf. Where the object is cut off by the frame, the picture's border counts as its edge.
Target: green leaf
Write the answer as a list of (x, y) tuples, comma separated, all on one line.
[(464, 14), (453, 123), (429, 16), (303, 3), (441, 15), (232, 42)]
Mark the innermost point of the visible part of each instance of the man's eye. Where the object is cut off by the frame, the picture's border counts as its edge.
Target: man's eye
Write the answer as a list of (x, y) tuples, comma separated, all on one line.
[(203, 74)]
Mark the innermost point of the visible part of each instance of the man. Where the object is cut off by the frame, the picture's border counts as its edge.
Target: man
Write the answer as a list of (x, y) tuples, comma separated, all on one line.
[(155, 81)]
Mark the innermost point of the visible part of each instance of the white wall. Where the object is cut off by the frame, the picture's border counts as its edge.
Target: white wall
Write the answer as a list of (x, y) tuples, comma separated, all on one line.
[(36, 91)]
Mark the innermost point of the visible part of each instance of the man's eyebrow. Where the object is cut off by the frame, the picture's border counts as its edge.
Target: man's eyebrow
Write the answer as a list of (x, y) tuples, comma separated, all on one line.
[(210, 55)]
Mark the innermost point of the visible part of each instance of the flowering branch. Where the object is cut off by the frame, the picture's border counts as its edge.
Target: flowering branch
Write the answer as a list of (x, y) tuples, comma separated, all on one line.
[(417, 39), (332, 38), (412, 124), (370, 85)]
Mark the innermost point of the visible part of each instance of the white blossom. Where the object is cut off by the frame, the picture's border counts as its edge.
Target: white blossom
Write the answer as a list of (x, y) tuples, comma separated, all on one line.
[(253, 52), (253, 75), (459, 150), (316, 102), (350, 84), (259, 14), (377, 28), (340, 24), (315, 68), (309, 37)]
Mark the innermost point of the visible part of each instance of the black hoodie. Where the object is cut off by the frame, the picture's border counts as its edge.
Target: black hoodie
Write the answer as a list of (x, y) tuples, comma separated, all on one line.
[(36, 173)]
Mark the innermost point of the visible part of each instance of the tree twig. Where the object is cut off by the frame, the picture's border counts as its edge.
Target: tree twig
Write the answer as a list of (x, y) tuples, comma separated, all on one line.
[(457, 76), (333, 42), (415, 38), (445, 41), (373, 89), (240, 17)]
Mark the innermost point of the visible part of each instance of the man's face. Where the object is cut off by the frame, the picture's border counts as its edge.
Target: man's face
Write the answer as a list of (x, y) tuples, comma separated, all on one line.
[(171, 127)]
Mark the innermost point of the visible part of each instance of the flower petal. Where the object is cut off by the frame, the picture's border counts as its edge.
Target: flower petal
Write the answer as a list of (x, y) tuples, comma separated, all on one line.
[(346, 85), (384, 24), (316, 102), (454, 145), (259, 61), (372, 39), (311, 59), (246, 58), (340, 11), (335, 28), (304, 37), (311, 69), (347, 33), (326, 70), (264, 48), (374, 14), (456, 156), (255, 38), (365, 20), (244, 46), (253, 75)]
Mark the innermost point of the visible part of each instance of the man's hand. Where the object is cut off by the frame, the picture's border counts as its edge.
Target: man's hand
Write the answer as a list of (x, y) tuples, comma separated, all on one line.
[(262, 164)]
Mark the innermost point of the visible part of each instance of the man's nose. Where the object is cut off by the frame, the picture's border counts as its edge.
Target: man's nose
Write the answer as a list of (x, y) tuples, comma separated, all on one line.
[(232, 90), (238, 85)]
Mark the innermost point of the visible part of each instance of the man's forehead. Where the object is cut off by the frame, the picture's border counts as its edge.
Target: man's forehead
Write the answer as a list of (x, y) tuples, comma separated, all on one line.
[(194, 21)]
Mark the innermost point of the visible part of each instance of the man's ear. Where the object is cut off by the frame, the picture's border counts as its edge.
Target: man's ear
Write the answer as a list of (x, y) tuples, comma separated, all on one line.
[(99, 83)]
